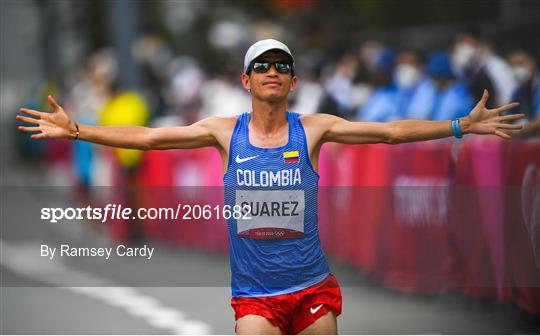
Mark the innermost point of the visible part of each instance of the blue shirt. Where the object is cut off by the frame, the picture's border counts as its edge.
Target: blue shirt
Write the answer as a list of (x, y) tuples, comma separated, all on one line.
[(381, 106), (429, 103), (278, 250)]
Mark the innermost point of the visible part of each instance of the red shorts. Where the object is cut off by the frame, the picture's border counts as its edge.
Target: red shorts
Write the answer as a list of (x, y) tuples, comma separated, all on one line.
[(293, 312)]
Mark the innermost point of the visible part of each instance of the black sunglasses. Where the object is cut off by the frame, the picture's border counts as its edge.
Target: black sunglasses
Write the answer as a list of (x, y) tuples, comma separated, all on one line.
[(264, 66)]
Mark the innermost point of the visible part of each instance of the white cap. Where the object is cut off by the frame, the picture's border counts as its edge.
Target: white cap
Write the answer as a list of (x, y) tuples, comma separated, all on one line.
[(262, 46)]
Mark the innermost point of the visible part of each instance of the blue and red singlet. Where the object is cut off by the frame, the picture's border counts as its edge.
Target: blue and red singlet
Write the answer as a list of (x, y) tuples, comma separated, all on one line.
[(274, 246)]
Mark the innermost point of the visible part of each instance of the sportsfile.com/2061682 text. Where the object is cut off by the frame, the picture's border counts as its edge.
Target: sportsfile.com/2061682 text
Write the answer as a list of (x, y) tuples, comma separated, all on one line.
[(118, 211)]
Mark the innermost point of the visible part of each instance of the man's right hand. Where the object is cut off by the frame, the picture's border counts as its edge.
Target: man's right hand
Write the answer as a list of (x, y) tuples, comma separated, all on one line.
[(210, 132), (49, 125)]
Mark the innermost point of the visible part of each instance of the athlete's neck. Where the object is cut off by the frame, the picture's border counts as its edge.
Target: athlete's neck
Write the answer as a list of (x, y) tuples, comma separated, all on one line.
[(268, 118)]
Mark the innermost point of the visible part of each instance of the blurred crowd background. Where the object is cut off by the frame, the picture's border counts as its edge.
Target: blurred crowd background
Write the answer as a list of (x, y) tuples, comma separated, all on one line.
[(163, 63), (171, 63)]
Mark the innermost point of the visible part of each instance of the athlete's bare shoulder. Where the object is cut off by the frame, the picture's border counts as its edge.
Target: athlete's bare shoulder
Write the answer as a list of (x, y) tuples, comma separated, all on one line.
[(316, 125), (221, 128), (218, 124), (318, 120)]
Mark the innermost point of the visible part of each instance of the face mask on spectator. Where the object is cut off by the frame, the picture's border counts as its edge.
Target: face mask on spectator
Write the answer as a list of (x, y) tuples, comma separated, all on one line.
[(462, 55), (406, 75), (521, 73)]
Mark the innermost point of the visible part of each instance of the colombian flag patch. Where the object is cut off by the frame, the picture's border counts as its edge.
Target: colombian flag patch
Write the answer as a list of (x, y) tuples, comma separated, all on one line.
[(291, 157)]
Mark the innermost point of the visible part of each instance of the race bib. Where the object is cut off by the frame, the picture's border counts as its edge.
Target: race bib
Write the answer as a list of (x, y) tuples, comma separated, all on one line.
[(274, 214)]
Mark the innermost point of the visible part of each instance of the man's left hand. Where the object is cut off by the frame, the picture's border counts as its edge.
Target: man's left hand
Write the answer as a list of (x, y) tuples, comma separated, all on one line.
[(482, 120)]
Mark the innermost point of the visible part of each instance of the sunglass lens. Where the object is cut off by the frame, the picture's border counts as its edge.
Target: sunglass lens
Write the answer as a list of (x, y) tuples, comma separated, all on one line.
[(283, 67), (261, 67)]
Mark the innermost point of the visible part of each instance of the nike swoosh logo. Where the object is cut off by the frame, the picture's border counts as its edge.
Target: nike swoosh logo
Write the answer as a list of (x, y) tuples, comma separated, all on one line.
[(314, 310), (240, 160)]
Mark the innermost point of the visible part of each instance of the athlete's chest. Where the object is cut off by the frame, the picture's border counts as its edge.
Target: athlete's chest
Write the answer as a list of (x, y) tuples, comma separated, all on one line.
[(279, 139)]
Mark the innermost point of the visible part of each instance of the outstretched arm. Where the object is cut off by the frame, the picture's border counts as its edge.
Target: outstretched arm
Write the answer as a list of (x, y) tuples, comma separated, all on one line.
[(58, 125), (480, 121)]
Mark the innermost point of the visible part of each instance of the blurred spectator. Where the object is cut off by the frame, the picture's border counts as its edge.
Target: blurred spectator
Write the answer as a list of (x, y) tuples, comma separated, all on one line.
[(381, 105), (154, 55), (363, 85), (483, 69), (309, 92), (369, 54), (186, 79), (441, 96), (125, 108), (407, 76), (339, 87), (223, 96), (527, 94), (88, 96)]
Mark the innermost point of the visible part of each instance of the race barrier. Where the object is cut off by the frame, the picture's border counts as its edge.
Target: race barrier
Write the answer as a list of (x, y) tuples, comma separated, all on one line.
[(439, 216)]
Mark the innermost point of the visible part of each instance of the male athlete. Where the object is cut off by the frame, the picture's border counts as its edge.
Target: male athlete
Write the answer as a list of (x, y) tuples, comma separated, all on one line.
[(281, 282)]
